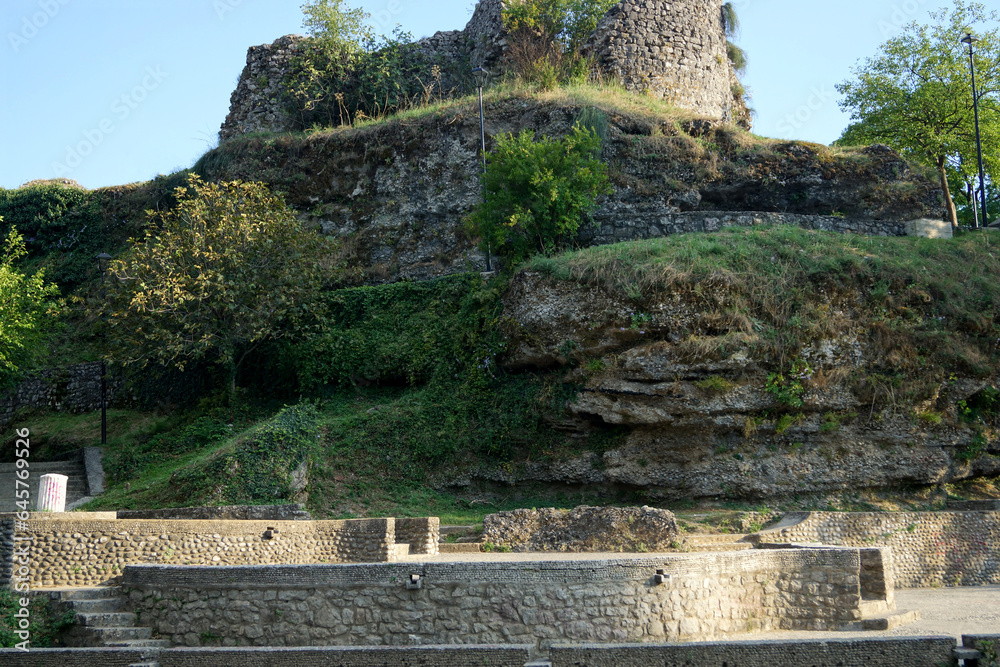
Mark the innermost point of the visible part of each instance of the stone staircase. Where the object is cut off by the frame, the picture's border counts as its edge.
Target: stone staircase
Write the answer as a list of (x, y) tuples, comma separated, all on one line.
[(102, 620), (715, 542), (466, 540), (76, 486)]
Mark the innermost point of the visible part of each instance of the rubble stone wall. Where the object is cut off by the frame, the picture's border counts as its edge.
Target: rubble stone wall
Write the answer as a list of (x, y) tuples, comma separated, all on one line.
[(929, 548), (696, 596)]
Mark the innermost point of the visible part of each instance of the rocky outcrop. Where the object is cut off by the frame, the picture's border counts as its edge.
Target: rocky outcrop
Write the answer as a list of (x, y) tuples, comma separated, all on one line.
[(398, 192), (583, 529), (697, 418)]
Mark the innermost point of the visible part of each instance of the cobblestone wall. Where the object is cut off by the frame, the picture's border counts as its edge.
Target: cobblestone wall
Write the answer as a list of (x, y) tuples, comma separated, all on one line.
[(69, 552), (530, 602), (929, 548)]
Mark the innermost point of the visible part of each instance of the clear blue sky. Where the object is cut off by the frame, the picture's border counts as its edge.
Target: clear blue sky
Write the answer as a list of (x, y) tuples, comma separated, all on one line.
[(142, 86)]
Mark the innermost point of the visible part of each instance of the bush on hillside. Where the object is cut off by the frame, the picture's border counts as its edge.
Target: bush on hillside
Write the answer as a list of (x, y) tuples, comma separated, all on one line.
[(538, 192)]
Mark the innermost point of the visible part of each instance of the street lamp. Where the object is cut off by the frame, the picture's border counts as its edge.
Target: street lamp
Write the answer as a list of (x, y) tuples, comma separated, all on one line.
[(102, 263), (970, 40), (481, 75)]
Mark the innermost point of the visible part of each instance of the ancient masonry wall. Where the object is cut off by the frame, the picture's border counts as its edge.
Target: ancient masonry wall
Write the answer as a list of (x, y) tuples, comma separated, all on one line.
[(696, 596), (675, 49), (929, 548), (423, 534), (75, 552), (75, 388)]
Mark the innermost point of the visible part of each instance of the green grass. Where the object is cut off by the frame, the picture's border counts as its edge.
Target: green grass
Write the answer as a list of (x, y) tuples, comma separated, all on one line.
[(925, 305)]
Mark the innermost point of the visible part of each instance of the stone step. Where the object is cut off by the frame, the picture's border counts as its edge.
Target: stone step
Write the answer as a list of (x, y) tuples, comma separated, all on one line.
[(402, 550), (459, 547), (86, 593), (151, 644), (107, 635), (714, 538), (890, 621), (451, 530), (117, 619), (721, 546), (145, 664), (872, 608), (98, 606)]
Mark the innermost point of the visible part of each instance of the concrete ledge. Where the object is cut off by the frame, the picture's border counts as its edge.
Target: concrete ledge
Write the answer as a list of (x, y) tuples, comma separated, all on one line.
[(350, 656), (928, 228), (70, 657), (888, 652)]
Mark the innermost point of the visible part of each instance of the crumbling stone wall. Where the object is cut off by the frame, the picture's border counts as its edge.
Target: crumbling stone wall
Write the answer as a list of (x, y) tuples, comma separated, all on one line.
[(75, 388), (696, 596), (929, 548), (583, 529), (676, 50)]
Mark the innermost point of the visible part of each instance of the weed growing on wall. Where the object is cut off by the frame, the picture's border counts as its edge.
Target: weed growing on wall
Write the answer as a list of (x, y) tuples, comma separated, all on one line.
[(46, 622)]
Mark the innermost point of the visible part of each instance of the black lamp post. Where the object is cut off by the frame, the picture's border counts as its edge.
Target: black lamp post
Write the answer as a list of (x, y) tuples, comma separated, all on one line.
[(480, 75), (102, 262), (970, 40)]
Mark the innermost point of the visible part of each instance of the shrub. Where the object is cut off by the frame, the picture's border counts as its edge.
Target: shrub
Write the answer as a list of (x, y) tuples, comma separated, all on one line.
[(47, 623), (538, 192)]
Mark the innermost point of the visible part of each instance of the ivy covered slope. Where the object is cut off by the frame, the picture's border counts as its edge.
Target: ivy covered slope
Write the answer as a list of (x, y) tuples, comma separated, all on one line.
[(753, 364), (399, 189)]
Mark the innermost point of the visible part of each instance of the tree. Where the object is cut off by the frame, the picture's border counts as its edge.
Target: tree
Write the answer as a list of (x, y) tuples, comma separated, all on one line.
[(336, 24), (537, 192), (227, 269), (916, 94), (29, 310)]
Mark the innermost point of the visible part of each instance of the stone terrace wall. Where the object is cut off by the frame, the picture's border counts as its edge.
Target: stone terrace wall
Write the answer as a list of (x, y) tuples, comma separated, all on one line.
[(527, 602), (70, 552), (289, 512), (676, 49), (423, 535), (636, 225), (882, 652), (383, 656), (929, 548)]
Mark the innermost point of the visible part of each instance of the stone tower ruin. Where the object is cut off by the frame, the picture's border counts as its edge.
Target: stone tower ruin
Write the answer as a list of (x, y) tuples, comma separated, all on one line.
[(675, 50)]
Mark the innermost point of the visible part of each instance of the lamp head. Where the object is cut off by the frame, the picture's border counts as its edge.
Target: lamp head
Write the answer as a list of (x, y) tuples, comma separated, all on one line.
[(102, 261), (480, 75), (969, 39)]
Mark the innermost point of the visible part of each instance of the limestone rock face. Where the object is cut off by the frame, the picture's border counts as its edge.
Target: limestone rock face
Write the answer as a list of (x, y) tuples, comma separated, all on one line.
[(583, 529), (697, 417)]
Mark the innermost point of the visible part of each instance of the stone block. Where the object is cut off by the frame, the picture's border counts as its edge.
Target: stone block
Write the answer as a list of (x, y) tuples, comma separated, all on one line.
[(928, 228)]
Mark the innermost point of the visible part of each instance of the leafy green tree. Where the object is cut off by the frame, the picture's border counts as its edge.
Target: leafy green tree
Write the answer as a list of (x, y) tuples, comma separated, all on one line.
[(226, 270), (29, 310), (336, 24), (916, 94), (538, 192)]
